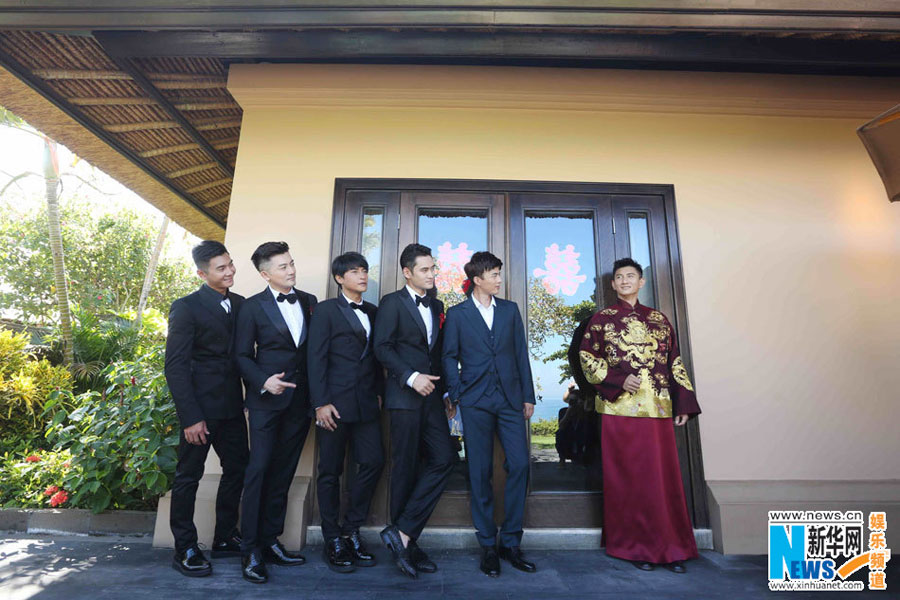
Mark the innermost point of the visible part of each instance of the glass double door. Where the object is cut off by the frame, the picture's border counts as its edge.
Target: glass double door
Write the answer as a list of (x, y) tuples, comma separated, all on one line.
[(558, 248)]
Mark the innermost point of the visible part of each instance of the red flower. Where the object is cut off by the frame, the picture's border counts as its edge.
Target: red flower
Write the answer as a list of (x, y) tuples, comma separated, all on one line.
[(441, 318), (33, 458), (133, 380), (66, 465), (466, 286), (51, 489), (59, 498), (99, 297)]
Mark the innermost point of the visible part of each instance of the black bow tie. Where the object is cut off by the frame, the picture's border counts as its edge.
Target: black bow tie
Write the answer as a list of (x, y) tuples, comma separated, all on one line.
[(423, 300), (356, 306), (291, 298)]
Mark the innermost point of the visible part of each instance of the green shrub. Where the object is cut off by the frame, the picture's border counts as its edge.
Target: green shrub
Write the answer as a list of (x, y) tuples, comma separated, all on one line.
[(544, 426), (25, 385), (36, 479), (123, 440)]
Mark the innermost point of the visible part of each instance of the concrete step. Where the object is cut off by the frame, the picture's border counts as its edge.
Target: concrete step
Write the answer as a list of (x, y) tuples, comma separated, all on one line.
[(463, 538)]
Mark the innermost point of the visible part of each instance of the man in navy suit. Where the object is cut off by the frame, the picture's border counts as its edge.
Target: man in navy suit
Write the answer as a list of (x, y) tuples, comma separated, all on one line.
[(485, 336), (271, 342), (345, 383), (200, 370), (408, 344)]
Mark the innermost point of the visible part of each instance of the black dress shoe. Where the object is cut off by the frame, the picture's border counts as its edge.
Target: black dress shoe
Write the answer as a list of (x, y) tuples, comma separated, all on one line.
[(419, 559), (253, 568), (228, 546), (276, 554), (516, 558), (192, 563), (390, 535), (677, 567), (643, 565), (337, 555), (361, 555), (490, 562)]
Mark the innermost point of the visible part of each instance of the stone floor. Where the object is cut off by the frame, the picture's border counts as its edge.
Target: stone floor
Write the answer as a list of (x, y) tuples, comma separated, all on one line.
[(71, 568)]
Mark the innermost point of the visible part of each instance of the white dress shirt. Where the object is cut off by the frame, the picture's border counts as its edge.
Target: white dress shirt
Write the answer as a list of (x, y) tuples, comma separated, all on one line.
[(487, 313), (292, 313), (362, 316), (226, 304), (429, 325)]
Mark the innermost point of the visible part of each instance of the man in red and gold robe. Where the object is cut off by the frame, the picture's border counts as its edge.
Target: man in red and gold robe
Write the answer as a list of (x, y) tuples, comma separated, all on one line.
[(629, 354)]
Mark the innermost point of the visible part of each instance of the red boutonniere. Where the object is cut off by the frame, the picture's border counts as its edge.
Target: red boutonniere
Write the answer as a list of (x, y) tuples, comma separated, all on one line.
[(441, 319)]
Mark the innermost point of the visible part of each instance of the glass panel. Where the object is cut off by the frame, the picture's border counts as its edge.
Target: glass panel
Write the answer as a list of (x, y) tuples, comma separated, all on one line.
[(453, 235), (562, 275), (372, 244), (639, 238)]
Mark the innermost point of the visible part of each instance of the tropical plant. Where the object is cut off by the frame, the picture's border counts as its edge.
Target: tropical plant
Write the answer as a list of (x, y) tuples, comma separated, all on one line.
[(123, 440), (35, 479)]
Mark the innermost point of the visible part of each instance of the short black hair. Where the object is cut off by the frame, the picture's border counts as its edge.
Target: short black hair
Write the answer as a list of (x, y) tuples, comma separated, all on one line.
[(481, 263), (411, 253), (347, 262), (627, 262), (266, 251), (205, 251)]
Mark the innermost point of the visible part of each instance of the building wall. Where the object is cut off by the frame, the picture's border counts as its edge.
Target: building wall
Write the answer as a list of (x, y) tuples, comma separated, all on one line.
[(791, 250)]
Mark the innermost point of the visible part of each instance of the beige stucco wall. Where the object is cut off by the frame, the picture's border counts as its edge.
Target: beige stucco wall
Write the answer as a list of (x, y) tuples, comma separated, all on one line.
[(791, 250)]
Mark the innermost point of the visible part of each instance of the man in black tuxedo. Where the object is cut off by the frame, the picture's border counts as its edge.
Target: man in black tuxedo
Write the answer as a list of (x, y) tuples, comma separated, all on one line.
[(346, 384), (488, 373), (271, 344), (202, 377), (408, 344)]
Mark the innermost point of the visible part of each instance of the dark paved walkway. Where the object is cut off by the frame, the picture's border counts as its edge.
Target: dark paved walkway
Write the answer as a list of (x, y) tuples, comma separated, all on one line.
[(128, 568)]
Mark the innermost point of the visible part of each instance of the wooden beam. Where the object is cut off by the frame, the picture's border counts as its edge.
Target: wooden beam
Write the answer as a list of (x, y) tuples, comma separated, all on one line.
[(120, 101), (236, 15), (65, 74), (192, 170), (148, 87), (219, 145), (216, 124), (208, 186), (141, 126), (217, 201), (546, 47), (198, 104)]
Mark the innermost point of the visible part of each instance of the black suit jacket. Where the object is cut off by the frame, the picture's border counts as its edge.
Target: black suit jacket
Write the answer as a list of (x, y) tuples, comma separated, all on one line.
[(264, 347), (342, 366), (200, 362), (401, 347)]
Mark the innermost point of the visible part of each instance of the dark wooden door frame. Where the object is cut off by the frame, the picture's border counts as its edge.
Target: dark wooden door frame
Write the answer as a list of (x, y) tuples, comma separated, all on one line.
[(665, 191)]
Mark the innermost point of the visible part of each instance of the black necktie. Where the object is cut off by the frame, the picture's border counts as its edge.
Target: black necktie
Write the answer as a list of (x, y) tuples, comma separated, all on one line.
[(356, 306), (291, 298), (423, 300)]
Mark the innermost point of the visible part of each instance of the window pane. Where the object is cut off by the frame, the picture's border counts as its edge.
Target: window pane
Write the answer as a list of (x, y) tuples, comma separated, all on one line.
[(372, 245), (562, 275), (639, 236), (453, 235)]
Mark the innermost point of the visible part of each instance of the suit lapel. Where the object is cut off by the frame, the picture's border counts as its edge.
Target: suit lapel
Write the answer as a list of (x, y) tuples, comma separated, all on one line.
[(304, 308), (477, 322), (270, 307), (212, 301), (500, 319), (410, 305), (353, 320), (435, 323)]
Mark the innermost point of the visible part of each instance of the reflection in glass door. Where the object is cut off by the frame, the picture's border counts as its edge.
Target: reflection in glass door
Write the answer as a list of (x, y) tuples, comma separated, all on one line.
[(561, 272)]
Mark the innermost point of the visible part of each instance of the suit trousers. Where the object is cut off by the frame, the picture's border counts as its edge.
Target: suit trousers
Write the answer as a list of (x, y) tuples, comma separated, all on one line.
[(419, 433), (276, 440), (493, 413), (367, 452), (229, 438)]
